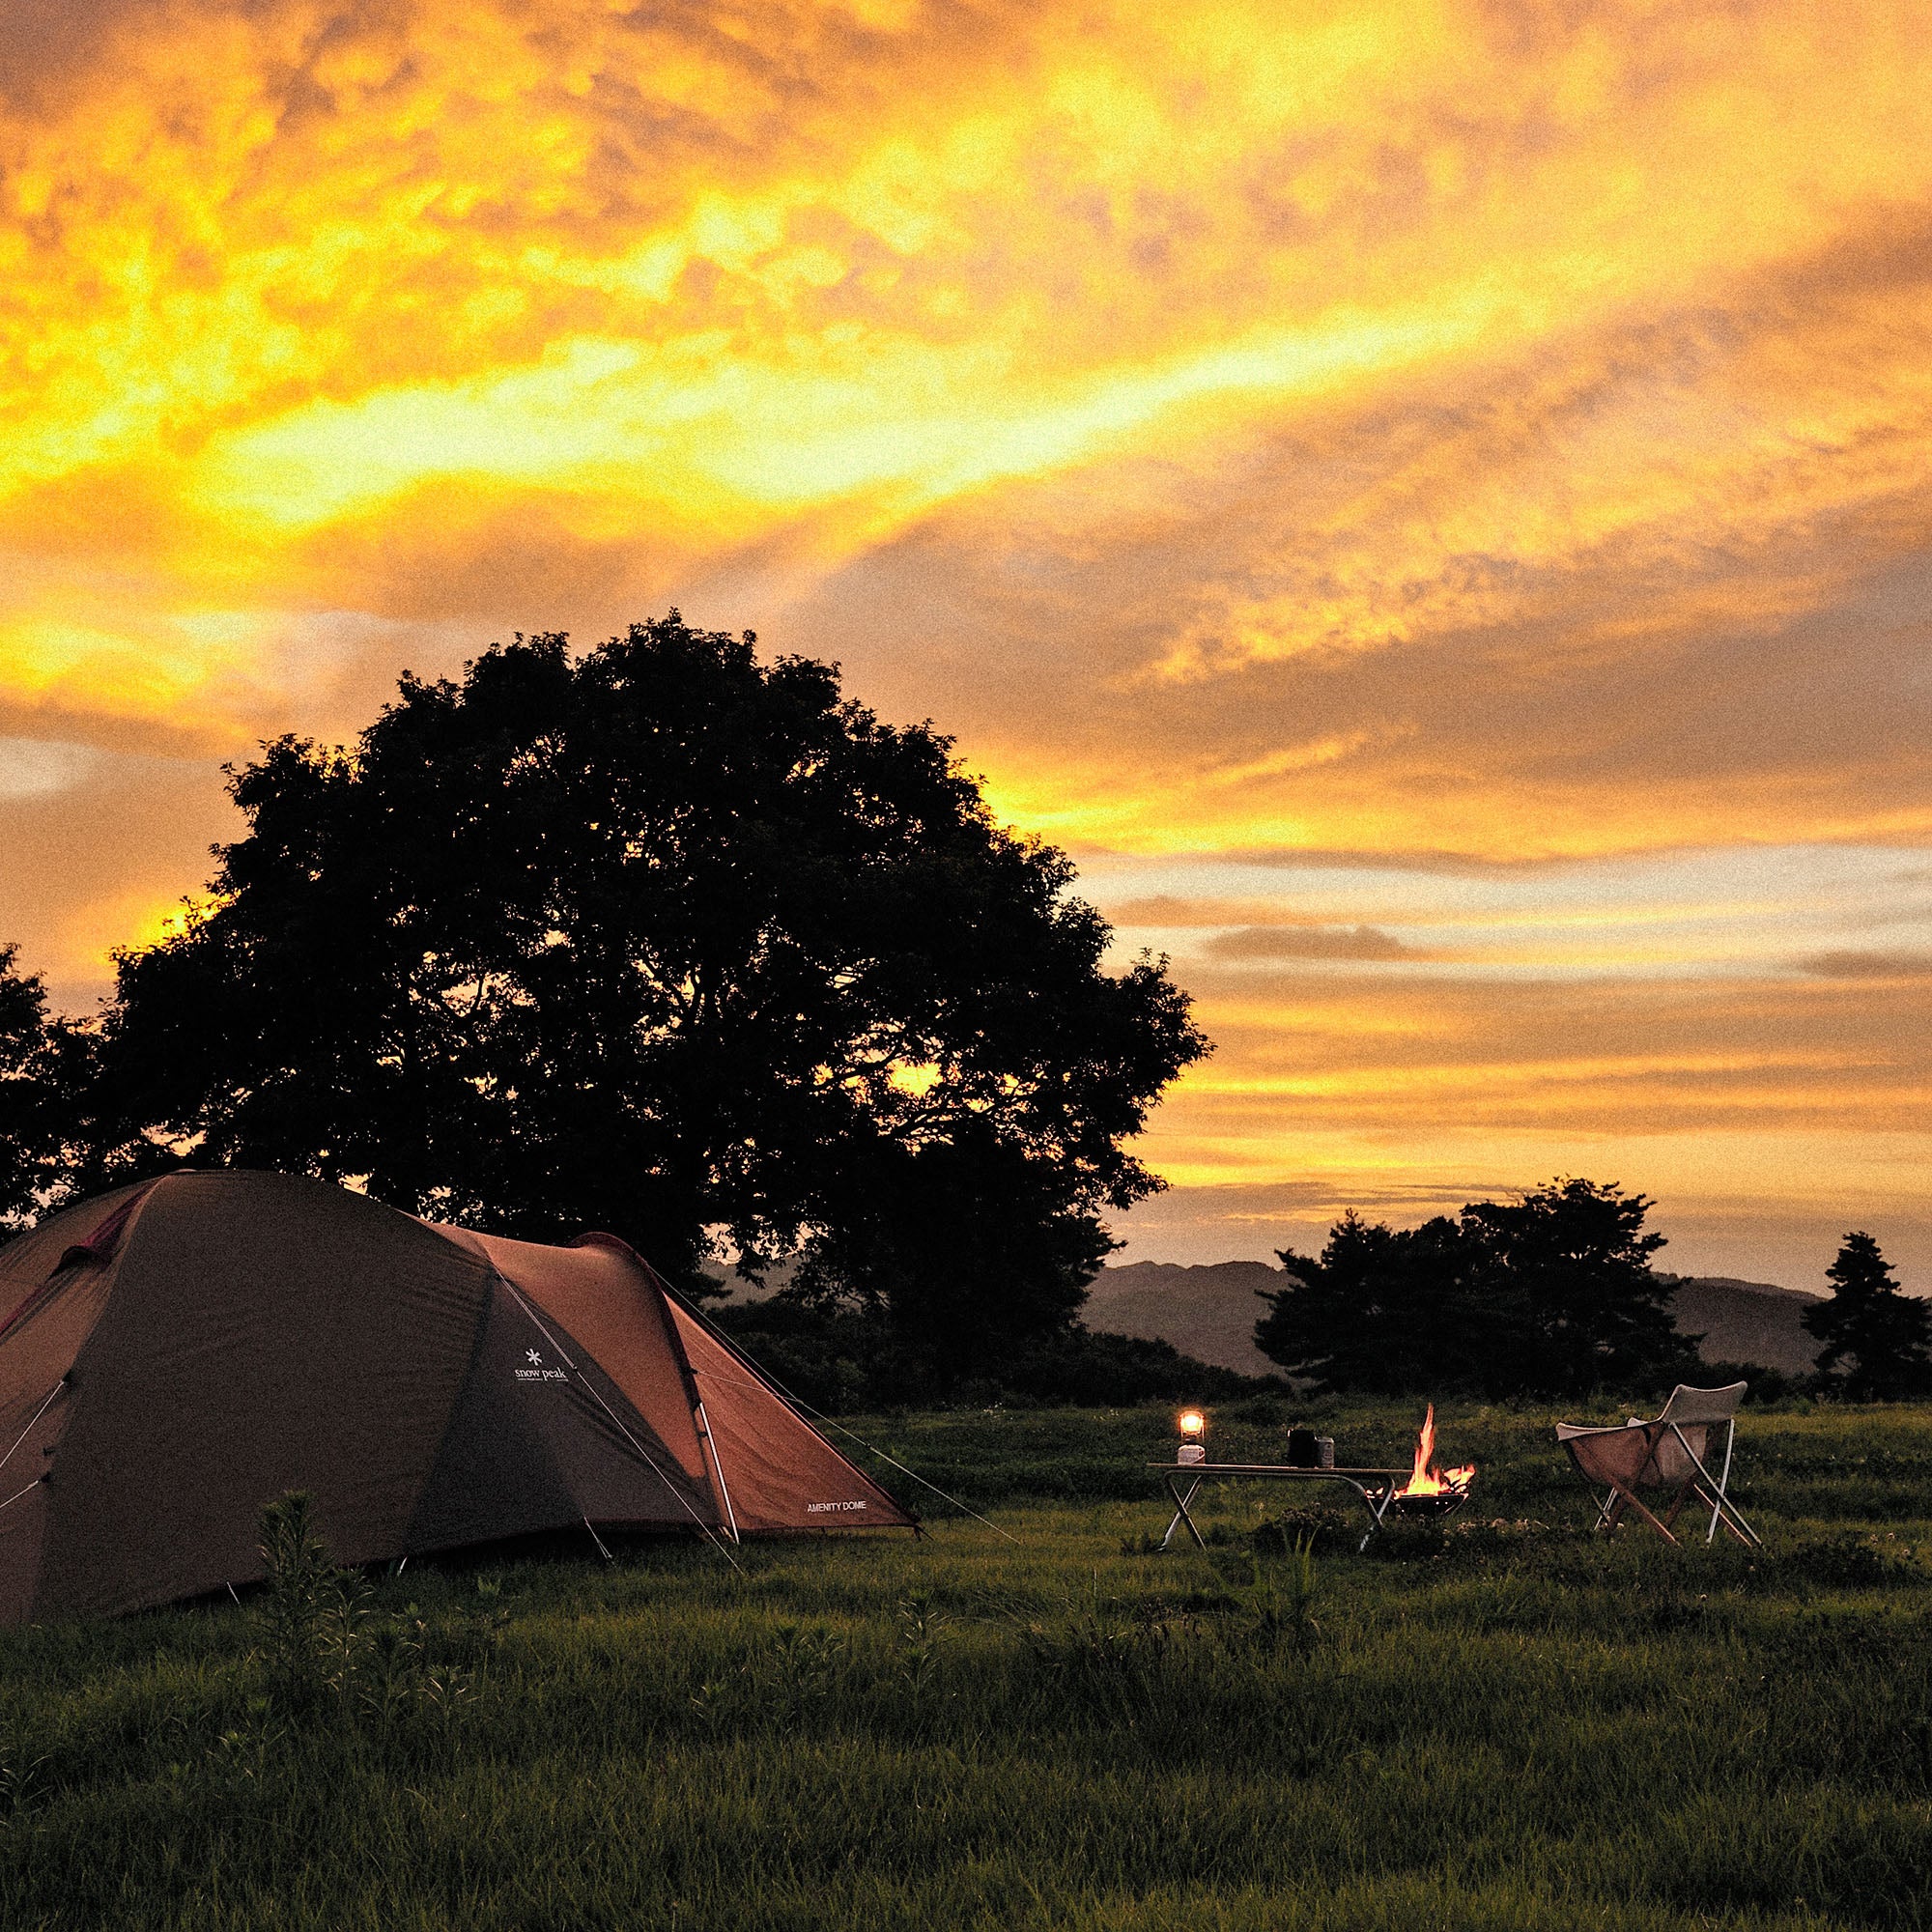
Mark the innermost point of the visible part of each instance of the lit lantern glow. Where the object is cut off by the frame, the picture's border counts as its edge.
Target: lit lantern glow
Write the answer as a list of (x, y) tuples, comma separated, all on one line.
[(1193, 1425)]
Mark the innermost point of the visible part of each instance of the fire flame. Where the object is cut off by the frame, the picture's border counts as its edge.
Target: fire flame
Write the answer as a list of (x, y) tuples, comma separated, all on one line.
[(1425, 1480)]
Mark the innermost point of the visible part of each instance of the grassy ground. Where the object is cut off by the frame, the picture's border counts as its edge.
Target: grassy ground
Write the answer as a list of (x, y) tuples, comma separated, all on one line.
[(1502, 1725)]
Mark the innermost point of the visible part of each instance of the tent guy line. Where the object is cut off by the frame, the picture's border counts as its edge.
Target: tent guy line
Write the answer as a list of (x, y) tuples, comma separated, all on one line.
[(797, 1402), (597, 1395), (717, 1466), (29, 1430)]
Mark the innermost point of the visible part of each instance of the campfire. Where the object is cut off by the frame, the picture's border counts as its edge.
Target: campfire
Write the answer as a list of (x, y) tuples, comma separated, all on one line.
[(1429, 1490)]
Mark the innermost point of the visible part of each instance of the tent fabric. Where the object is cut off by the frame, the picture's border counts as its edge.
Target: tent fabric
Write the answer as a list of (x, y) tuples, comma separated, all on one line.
[(782, 1473), (175, 1356), (609, 1302), (776, 1471)]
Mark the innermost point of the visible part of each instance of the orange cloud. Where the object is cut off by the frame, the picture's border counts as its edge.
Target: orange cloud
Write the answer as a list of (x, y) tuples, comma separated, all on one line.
[(280, 272), (1486, 443)]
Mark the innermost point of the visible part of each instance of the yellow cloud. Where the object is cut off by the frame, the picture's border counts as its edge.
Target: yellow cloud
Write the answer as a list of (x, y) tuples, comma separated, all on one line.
[(1379, 428)]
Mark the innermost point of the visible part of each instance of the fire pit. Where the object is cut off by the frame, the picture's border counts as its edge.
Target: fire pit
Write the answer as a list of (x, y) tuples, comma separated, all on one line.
[(1429, 1490)]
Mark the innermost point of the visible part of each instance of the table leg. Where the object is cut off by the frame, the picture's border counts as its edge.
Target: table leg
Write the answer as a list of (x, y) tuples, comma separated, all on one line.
[(1378, 1511), (1180, 1515)]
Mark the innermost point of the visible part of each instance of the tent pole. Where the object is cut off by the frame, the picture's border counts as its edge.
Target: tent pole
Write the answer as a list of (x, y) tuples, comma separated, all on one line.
[(701, 1421), (763, 1378), (597, 1395), (718, 1467)]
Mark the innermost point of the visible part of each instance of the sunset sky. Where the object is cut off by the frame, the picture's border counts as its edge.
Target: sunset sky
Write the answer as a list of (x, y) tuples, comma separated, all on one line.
[(1429, 504)]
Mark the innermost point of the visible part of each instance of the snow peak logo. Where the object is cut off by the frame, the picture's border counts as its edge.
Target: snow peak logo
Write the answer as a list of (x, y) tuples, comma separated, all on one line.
[(820, 1509), (536, 1372)]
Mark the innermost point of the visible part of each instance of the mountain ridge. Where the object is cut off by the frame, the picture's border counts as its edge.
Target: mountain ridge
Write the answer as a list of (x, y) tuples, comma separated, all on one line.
[(1208, 1310)]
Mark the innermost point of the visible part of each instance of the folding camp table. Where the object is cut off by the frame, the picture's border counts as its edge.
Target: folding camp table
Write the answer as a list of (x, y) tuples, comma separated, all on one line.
[(1377, 1489)]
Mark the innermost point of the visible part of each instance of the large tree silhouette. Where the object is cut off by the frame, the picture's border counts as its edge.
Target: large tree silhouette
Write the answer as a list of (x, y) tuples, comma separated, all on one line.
[(1878, 1341), (43, 1066), (671, 942)]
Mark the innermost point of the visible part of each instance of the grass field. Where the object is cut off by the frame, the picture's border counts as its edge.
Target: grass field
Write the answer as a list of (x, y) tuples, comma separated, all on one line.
[(1504, 1724)]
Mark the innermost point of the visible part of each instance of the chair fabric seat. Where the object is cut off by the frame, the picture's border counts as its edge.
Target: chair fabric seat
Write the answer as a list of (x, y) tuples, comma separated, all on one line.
[(1635, 1454), (1671, 1451)]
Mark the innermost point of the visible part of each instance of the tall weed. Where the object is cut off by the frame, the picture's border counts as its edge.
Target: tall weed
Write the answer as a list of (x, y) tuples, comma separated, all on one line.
[(324, 1650), (1274, 1609), (922, 1628), (309, 1616)]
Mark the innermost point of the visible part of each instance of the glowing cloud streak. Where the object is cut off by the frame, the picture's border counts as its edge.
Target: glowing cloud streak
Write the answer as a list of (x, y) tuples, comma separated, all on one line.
[(1452, 434)]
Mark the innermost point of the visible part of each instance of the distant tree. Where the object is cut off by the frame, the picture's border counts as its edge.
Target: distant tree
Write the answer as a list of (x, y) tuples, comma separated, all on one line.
[(1566, 1270), (42, 1071), (1878, 1341), (1383, 1310), (1550, 1293), (667, 941)]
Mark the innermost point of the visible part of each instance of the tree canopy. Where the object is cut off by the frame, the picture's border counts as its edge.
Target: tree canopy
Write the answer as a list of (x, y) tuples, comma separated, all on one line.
[(662, 939), (22, 1036), (1382, 1310), (1878, 1340), (42, 1067), (1551, 1292)]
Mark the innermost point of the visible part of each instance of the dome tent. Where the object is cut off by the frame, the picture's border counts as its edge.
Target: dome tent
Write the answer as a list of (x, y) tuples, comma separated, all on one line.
[(176, 1355)]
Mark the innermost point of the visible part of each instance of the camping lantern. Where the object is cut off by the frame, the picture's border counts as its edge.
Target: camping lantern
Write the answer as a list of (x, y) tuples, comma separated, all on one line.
[(1193, 1427)]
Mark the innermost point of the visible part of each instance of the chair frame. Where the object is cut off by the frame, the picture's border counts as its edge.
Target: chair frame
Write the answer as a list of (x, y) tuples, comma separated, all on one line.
[(1700, 1408)]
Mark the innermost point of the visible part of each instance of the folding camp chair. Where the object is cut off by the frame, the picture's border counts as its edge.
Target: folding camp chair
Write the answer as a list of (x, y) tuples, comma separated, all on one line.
[(1668, 1452)]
